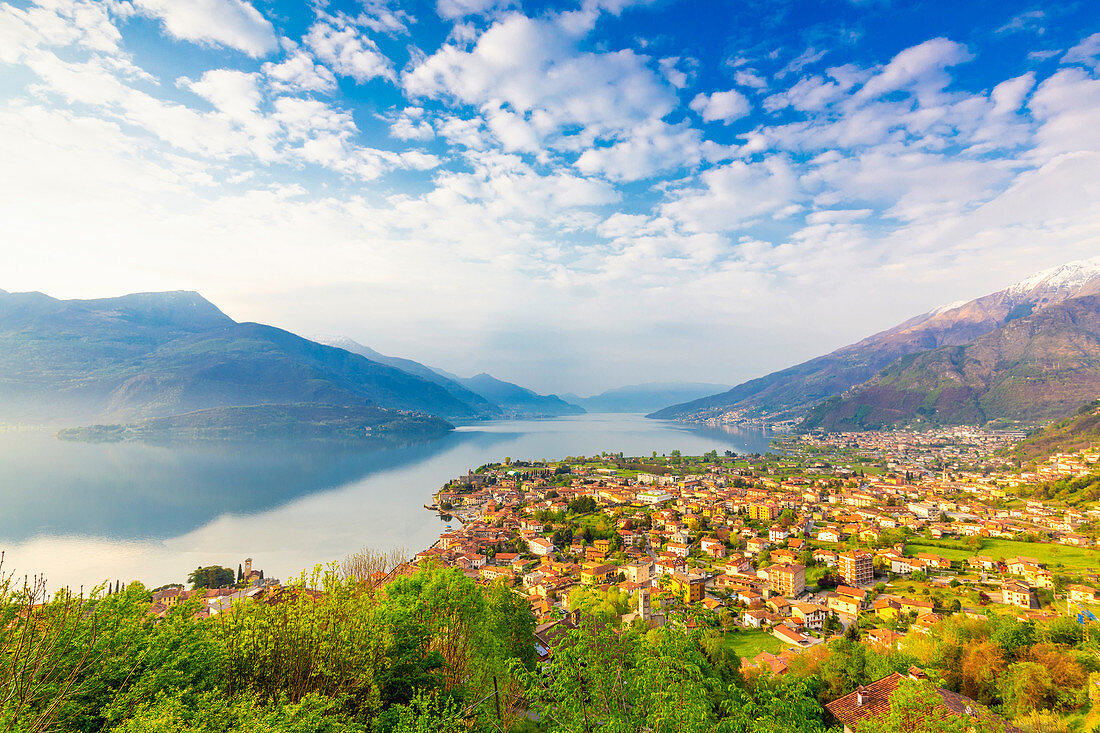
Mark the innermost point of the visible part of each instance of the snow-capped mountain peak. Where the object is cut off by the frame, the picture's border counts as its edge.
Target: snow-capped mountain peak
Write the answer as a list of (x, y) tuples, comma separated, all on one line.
[(1068, 277)]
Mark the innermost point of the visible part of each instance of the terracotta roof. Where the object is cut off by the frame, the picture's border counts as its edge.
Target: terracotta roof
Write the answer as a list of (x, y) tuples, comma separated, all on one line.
[(876, 702)]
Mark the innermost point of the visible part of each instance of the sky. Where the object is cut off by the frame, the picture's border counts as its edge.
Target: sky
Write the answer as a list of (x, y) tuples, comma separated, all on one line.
[(572, 195)]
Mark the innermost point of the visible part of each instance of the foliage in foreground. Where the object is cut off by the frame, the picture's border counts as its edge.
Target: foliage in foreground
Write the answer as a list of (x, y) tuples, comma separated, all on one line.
[(435, 653), (431, 652)]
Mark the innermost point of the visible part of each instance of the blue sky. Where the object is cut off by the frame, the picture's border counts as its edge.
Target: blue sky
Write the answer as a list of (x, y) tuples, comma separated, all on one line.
[(573, 195)]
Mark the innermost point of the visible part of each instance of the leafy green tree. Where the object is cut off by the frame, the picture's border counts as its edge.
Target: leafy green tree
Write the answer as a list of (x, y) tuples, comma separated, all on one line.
[(583, 505), (1013, 636), (1027, 686), (782, 705), (212, 576)]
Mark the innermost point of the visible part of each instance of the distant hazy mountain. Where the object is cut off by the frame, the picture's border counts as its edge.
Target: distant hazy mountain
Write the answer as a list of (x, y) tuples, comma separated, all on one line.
[(515, 401), (644, 397), (790, 392), (480, 406), (158, 354), (488, 396)]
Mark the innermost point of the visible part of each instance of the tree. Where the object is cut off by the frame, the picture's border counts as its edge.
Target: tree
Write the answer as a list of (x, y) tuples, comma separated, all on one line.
[(1027, 686), (582, 505), (366, 563), (212, 576), (1013, 637)]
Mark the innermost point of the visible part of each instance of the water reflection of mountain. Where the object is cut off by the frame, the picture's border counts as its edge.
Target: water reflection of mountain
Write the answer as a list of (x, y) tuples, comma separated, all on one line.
[(754, 441), (130, 491)]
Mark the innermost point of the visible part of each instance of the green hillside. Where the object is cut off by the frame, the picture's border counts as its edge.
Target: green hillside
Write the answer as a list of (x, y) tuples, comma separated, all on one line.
[(1067, 436)]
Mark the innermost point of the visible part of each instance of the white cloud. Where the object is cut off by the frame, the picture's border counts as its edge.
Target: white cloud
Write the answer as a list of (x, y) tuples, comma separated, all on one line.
[(231, 23), (675, 76), (411, 125), (1031, 20), (298, 72), (749, 78), (804, 59), (735, 193), (453, 9), (652, 148), (58, 23), (348, 50), (379, 17), (1086, 52), (236, 93), (876, 173), (1067, 106), (919, 69), (812, 93), (721, 106), (534, 68)]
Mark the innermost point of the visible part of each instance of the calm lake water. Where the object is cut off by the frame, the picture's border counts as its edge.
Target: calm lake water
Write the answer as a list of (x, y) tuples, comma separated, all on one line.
[(81, 513)]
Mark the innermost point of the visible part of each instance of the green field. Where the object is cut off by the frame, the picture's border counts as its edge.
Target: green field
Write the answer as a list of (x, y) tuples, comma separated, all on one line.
[(1070, 558), (750, 642), (931, 546), (925, 592)]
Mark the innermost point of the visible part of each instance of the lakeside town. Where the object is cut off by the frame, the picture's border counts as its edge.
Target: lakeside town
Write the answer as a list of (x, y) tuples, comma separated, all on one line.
[(782, 566), (877, 534)]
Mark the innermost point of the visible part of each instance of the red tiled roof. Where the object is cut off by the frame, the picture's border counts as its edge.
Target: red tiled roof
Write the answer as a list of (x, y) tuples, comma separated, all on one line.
[(876, 702)]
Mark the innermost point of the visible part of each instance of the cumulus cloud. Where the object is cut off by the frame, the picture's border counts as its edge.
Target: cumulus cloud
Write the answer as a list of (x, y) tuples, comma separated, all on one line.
[(559, 166), (411, 125), (345, 47), (727, 196), (722, 107), (1086, 52), (533, 68), (231, 23), (298, 72), (453, 9), (749, 78), (653, 148), (921, 69), (62, 23)]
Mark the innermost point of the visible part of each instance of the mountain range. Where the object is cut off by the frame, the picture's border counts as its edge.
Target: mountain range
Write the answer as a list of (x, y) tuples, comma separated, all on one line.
[(488, 396), (1023, 355), (148, 356), (644, 397), (157, 354)]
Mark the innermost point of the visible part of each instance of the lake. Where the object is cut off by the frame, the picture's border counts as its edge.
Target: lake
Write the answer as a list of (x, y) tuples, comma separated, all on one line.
[(81, 513)]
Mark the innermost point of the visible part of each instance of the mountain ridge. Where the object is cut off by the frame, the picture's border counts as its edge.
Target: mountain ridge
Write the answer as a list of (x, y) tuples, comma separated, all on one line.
[(1032, 370), (152, 354), (491, 397), (788, 393)]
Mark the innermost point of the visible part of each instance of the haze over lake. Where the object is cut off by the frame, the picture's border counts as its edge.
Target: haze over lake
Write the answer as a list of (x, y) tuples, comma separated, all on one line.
[(81, 513)]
